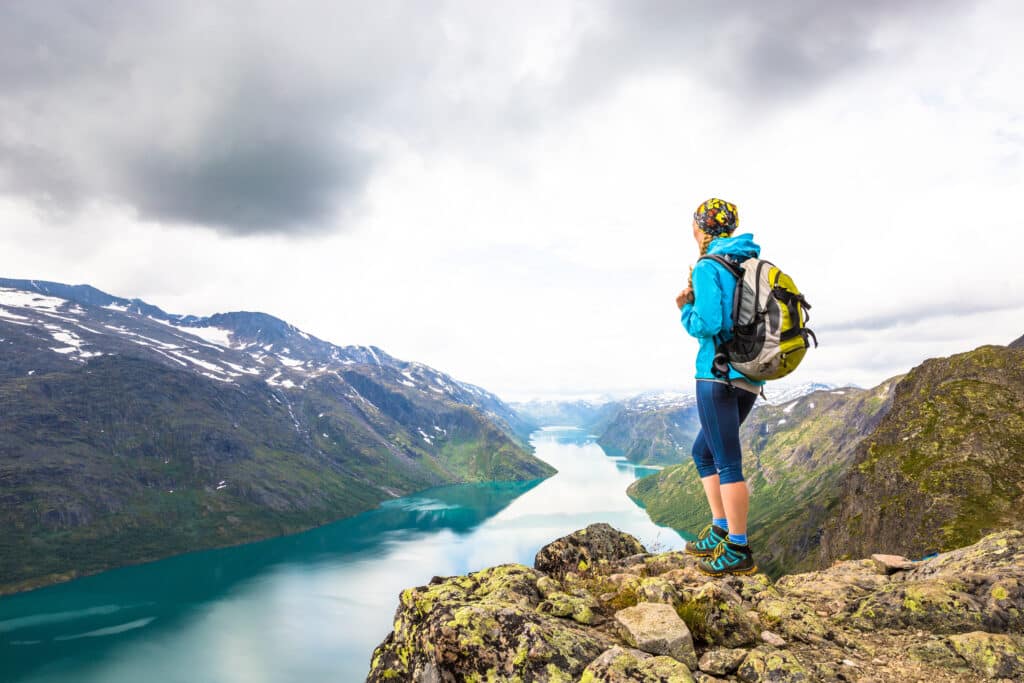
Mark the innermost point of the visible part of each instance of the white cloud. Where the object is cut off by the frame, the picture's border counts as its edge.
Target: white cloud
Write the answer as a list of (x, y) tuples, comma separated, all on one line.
[(531, 241)]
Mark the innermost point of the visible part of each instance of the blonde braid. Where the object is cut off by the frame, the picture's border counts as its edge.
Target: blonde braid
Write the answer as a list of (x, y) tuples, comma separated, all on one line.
[(705, 242)]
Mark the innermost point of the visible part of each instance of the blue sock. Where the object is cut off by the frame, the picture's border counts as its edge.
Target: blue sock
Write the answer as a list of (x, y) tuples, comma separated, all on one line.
[(723, 522), (738, 539)]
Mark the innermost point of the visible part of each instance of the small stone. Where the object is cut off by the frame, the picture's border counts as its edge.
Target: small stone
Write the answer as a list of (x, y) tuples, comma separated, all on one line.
[(773, 639), (889, 564), (721, 661), (656, 628)]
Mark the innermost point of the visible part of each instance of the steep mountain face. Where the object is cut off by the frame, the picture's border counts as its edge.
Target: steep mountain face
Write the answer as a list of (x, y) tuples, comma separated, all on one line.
[(658, 428), (127, 434), (596, 606), (1017, 343), (944, 466), (652, 433), (793, 457), (582, 414)]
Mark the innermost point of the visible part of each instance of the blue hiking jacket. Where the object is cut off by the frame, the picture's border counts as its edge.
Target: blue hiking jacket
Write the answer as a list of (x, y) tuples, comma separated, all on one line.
[(710, 313)]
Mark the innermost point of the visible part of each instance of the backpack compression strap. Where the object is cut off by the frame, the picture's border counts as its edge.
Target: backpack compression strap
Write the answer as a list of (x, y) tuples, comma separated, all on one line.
[(736, 270)]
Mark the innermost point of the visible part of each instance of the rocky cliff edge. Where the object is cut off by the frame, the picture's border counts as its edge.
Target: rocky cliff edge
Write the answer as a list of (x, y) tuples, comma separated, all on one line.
[(597, 606)]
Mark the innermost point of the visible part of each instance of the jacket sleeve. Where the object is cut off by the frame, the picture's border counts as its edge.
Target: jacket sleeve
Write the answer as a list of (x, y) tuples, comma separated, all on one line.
[(703, 318)]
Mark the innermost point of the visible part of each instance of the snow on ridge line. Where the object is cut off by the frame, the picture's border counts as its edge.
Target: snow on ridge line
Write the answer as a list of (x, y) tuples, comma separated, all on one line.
[(22, 299)]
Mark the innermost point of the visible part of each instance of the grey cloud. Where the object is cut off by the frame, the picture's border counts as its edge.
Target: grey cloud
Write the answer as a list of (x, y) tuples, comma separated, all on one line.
[(759, 54), (911, 315), (262, 117), (243, 117)]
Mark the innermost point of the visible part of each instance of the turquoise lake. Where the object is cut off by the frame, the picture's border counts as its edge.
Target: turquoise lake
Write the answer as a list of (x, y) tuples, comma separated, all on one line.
[(309, 607)]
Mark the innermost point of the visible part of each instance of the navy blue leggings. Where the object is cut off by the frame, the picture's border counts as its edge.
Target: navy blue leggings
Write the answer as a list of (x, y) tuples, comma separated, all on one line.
[(717, 446)]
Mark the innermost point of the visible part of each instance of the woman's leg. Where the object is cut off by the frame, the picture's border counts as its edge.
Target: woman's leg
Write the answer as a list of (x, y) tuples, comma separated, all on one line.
[(736, 496), (722, 410), (705, 462)]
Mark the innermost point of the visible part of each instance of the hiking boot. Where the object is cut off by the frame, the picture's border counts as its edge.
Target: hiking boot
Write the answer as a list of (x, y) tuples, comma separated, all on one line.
[(729, 558), (707, 539)]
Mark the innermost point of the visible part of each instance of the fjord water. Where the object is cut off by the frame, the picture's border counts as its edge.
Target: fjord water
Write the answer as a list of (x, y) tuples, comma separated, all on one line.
[(312, 606)]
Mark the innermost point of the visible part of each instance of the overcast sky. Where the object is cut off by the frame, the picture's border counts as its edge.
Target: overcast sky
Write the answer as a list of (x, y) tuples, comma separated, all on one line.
[(504, 191)]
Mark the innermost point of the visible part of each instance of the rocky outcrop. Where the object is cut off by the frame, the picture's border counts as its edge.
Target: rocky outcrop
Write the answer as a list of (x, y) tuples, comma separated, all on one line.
[(581, 550), (942, 468), (654, 617)]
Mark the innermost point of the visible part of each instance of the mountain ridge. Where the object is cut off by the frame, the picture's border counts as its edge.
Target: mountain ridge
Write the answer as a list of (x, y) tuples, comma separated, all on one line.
[(130, 434)]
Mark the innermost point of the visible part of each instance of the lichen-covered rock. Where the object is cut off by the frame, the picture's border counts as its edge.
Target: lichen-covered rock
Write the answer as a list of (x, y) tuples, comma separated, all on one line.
[(793, 618), (956, 617), (483, 626), (777, 666), (995, 655), (717, 616), (939, 653), (580, 608), (582, 550), (701, 677), (628, 665), (656, 628), (940, 605), (835, 590), (657, 589), (721, 661)]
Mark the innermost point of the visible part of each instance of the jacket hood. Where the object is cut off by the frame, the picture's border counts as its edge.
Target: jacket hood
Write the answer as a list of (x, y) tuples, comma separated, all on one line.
[(741, 247)]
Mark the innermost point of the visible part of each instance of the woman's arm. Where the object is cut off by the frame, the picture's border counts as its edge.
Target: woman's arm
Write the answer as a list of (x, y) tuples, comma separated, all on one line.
[(703, 318)]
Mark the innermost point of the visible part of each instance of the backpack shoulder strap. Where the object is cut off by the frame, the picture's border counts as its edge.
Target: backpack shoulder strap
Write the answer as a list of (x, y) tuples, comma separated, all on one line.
[(736, 270)]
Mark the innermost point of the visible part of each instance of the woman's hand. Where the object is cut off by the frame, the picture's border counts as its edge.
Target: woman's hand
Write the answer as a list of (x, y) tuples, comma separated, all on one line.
[(684, 297)]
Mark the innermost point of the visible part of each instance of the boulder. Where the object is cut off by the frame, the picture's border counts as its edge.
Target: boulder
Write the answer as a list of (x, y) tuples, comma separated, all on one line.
[(777, 666), (889, 564), (657, 629), (995, 655), (580, 608), (721, 661), (628, 665), (582, 550), (716, 616), (484, 626)]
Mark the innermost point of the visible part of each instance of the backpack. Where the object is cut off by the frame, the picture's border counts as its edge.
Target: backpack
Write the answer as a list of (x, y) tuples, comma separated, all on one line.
[(769, 316)]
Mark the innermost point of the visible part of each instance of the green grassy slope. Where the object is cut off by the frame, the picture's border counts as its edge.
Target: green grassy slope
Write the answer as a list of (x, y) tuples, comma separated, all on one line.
[(793, 457), (124, 460)]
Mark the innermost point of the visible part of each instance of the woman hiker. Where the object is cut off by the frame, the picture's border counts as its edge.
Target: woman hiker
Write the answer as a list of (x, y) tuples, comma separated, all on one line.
[(722, 404)]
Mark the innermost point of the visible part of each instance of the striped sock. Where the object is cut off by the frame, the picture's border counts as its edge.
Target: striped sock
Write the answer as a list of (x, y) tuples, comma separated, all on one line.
[(723, 522), (738, 539)]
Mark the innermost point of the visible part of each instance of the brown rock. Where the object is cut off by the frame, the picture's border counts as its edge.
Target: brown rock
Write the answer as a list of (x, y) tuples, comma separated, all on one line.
[(888, 564)]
